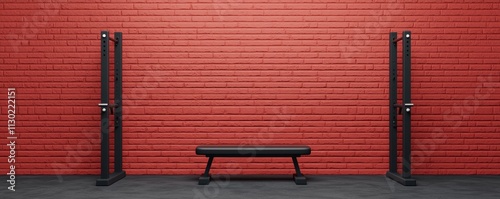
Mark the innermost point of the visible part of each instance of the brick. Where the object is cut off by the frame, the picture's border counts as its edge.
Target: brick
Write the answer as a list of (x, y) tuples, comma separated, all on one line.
[(79, 6), (138, 6)]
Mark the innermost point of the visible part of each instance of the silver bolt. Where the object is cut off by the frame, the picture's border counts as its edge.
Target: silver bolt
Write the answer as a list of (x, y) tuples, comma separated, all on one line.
[(407, 110), (407, 35), (103, 35), (103, 109)]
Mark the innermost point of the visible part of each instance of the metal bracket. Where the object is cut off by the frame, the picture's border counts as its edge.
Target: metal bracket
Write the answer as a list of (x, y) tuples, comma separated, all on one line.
[(407, 107), (104, 107)]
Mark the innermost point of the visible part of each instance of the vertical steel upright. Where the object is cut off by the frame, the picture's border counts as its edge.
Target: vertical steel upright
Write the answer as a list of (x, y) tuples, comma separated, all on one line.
[(118, 102), (106, 178), (405, 177), (393, 99)]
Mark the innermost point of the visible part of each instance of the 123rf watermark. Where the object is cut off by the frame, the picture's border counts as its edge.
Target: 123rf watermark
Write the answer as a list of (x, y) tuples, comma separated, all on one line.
[(11, 138)]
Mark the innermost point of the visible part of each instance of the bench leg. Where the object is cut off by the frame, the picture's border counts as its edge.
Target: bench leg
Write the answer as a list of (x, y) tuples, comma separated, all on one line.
[(205, 178), (298, 177)]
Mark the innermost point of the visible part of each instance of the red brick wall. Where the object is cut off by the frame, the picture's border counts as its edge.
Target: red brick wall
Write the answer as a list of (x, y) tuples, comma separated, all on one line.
[(259, 72)]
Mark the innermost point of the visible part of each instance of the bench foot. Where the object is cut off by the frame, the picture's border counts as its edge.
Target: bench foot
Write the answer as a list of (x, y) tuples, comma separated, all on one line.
[(205, 177), (299, 180), (398, 178), (204, 180)]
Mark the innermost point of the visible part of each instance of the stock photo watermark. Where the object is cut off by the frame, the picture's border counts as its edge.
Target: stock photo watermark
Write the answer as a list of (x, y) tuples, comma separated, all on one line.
[(32, 26), (11, 137)]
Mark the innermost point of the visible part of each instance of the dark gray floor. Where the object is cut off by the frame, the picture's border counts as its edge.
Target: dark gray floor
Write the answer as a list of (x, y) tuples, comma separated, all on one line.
[(235, 187)]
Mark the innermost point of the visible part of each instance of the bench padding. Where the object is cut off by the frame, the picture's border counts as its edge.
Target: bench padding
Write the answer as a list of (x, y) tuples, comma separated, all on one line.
[(253, 151)]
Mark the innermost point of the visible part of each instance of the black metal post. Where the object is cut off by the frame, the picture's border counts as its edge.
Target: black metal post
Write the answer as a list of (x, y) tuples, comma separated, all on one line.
[(118, 102), (405, 109), (104, 104), (407, 104), (393, 100), (106, 178)]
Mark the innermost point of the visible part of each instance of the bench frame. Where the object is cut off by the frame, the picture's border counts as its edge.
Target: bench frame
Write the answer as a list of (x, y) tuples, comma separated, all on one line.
[(298, 177)]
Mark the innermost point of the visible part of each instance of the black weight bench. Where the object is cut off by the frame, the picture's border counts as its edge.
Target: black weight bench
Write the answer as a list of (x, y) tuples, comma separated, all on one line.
[(253, 151)]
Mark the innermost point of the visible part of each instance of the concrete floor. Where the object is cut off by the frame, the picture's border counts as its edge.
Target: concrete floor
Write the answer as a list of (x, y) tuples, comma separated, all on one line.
[(236, 187)]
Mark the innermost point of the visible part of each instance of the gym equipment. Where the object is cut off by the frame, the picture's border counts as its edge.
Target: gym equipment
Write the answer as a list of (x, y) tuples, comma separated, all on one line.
[(404, 109), (253, 151), (106, 178)]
